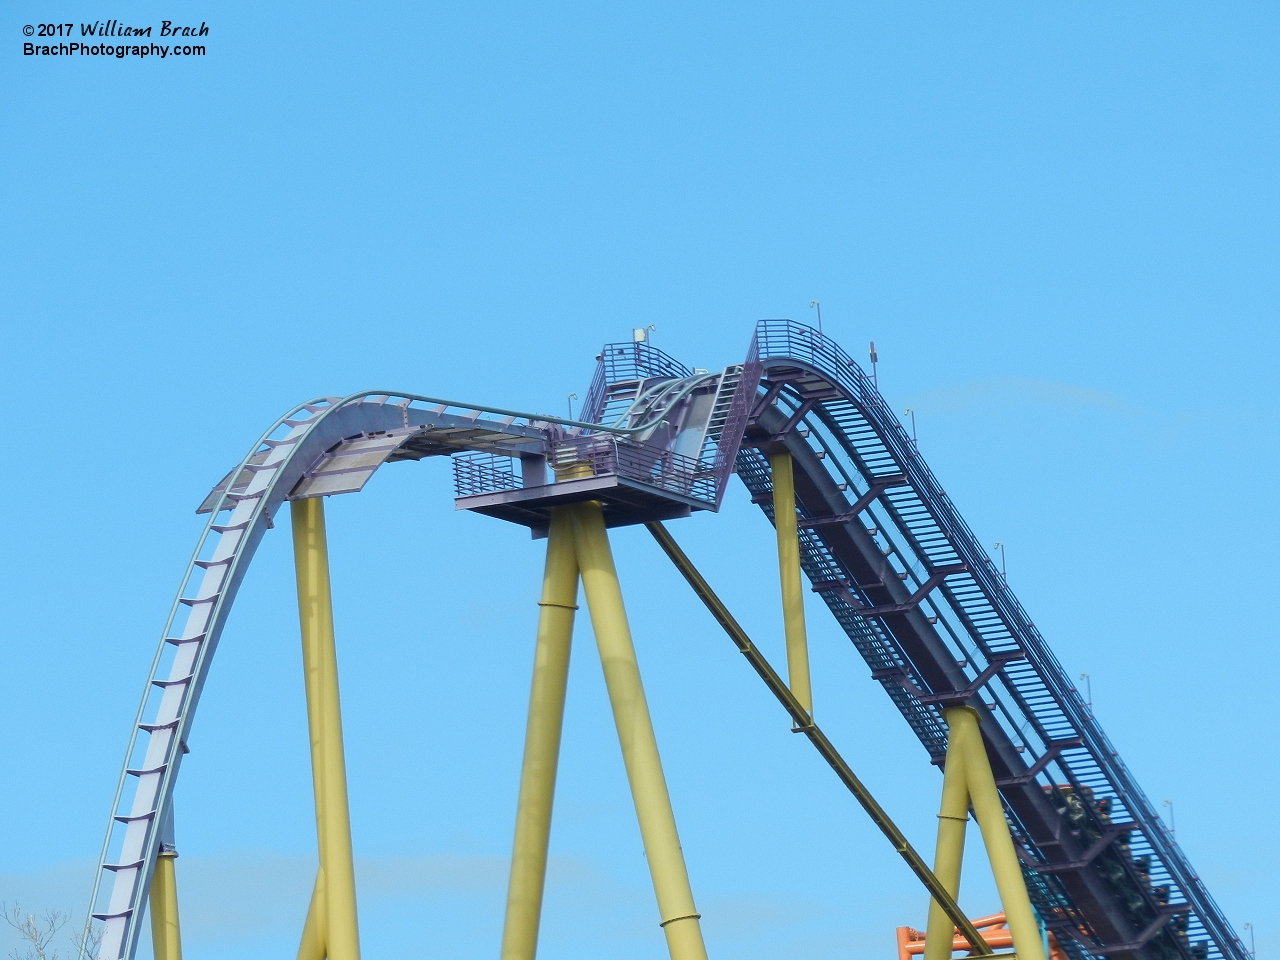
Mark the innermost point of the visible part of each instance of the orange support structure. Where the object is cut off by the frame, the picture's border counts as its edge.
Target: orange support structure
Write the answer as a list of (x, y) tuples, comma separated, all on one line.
[(994, 930)]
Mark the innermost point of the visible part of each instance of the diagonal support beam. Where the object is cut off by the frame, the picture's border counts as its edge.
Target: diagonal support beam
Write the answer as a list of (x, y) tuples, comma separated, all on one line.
[(1112, 832), (1156, 925), (1055, 749), (935, 579), (794, 421), (805, 725), (950, 697), (769, 398), (864, 501)]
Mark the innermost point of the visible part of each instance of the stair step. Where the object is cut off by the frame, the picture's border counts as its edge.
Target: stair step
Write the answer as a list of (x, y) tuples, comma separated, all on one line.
[(135, 818), (206, 564), (153, 727), (179, 641), (112, 916)]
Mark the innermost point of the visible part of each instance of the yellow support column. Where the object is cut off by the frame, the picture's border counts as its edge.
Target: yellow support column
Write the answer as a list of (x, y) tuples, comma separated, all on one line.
[(311, 946), (542, 742), (324, 720), (635, 734), (987, 810), (314, 934), (784, 521), (949, 854), (166, 939)]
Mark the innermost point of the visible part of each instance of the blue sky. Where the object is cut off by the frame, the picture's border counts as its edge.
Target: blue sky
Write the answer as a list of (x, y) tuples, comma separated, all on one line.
[(1058, 224)]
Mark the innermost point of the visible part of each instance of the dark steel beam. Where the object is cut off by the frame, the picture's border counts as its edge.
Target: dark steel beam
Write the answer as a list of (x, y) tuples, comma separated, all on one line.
[(854, 548), (804, 724)]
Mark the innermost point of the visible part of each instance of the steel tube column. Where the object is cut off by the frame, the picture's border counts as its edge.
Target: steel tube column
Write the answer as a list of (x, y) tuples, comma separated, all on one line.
[(635, 734), (314, 930), (818, 738), (166, 939), (988, 811), (542, 741), (784, 522), (311, 946), (324, 720), (949, 853)]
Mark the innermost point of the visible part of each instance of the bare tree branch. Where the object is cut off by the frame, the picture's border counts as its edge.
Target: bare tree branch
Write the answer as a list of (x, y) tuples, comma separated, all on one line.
[(37, 933)]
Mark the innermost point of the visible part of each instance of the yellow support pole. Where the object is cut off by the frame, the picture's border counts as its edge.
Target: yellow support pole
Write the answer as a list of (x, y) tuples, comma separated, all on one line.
[(166, 938), (542, 742), (987, 810), (324, 721), (313, 931), (953, 815), (784, 522), (312, 944), (635, 734)]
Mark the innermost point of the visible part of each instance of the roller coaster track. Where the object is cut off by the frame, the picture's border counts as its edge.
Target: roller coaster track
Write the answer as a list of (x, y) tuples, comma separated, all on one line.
[(880, 542)]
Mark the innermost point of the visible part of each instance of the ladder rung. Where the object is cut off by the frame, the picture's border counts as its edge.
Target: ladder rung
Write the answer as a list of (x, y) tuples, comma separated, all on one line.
[(111, 916), (237, 497), (134, 819), (206, 564), (113, 867), (178, 641)]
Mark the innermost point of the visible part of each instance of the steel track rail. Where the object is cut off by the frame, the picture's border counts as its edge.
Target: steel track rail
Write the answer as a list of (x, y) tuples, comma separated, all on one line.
[(940, 623), (224, 549), (928, 634)]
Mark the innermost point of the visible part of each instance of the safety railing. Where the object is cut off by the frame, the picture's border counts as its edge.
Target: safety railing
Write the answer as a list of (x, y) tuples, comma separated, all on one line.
[(621, 363), (599, 456), (477, 472), (730, 439)]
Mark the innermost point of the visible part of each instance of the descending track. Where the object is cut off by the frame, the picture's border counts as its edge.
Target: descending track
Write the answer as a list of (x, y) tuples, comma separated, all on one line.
[(924, 605), (881, 543)]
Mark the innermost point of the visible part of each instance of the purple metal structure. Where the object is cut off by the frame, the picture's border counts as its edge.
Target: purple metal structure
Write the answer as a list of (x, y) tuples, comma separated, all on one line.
[(925, 606), (880, 542)]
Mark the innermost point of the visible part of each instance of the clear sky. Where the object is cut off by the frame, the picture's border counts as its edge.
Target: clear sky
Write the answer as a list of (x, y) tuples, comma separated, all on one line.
[(1057, 222)]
